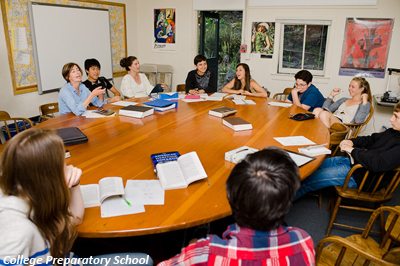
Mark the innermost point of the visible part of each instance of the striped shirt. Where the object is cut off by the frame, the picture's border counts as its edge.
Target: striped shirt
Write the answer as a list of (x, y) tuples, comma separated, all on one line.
[(20, 238), (244, 246)]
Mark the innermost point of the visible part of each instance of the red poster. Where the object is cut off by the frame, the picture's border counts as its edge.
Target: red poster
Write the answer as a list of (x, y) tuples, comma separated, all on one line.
[(365, 47)]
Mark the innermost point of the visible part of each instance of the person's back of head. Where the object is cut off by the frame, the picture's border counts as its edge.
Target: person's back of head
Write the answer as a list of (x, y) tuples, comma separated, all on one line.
[(199, 58), (304, 75), (32, 168), (261, 188), (90, 63)]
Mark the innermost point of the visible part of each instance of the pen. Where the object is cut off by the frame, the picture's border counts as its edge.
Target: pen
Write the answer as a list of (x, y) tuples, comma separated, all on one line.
[(128, 202), (241, 150)]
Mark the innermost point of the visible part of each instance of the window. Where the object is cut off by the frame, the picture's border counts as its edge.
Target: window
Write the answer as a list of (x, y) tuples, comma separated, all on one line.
[(303, 46)]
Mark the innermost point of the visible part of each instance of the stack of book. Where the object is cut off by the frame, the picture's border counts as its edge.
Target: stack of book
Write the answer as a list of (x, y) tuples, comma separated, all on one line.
[(222, 111), (136, 111), (236, 123), (161, 105)]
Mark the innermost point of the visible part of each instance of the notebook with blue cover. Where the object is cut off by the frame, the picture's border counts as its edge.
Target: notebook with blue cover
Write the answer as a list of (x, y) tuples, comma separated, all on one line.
[(159, 103), (168, 96)]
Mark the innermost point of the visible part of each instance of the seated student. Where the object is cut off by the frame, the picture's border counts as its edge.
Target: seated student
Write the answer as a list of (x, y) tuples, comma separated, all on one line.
[(40, 198), (92, 68), (200, 80), (244, 84), (377, 153), (347, 110), (260, 190), (74, 96), (136, 84), (305, 94)]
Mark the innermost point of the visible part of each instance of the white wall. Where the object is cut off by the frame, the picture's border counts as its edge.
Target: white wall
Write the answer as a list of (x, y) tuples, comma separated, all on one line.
[(140, 39)]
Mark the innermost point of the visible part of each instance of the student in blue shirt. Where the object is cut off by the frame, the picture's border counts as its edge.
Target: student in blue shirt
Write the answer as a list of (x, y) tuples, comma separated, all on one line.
[(74, 96), (305, 94)]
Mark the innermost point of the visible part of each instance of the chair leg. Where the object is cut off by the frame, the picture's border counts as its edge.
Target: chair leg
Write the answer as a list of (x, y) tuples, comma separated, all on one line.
[(333, 216)]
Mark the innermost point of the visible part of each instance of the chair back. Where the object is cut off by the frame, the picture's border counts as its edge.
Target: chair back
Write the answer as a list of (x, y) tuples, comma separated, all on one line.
[(355, 129), (362, 249), (337, 134), (4, 115), (282, 96), (48, 110), (180, 87), (12, 126)]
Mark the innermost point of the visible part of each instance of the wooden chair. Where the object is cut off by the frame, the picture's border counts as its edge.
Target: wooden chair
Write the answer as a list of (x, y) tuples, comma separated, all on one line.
[(48, 110), (180, 87), (373, 189), (355, 129), (282, 96), (338, 132), (362, 249), (11, 126), (4, 115)]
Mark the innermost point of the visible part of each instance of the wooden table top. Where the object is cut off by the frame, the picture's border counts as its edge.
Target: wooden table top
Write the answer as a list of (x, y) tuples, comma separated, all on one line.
[(121, 146)]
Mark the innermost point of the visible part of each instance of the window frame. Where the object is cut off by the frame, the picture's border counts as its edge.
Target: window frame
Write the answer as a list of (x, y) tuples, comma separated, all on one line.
[(303, 22)]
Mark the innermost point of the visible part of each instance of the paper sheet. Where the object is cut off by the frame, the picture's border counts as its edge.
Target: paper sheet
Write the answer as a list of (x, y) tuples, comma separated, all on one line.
[(280, 104), (92, 114), (294, 141), (124, 103), (146, 192)]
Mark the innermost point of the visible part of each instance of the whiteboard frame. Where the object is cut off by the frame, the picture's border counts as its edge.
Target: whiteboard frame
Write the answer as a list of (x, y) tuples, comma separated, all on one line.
[(41, 90)]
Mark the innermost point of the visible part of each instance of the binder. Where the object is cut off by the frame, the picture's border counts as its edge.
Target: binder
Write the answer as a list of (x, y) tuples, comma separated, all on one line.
[(72, 136)]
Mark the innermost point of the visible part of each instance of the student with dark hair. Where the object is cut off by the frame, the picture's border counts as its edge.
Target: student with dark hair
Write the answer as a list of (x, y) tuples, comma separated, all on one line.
[(377, 153), (305, 94), (40, 198), (92, 68), (244, 84), (74, 96), (201, 79), (260, 190)]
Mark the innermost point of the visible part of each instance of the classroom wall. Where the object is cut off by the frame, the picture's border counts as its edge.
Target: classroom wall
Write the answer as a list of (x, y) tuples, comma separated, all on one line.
[(139, 24)]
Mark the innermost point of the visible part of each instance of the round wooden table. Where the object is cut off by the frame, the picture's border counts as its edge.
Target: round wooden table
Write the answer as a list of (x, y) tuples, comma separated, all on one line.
[(121, 146)]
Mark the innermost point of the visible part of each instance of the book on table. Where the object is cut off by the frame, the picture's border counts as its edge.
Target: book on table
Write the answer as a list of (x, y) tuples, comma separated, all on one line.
[(136, 111), (217, 96), (72, 135), (222, 111), (109, 194), (105, 112), (236, 123), (161, 105), (168, 96), (182, 172), (163, 157)]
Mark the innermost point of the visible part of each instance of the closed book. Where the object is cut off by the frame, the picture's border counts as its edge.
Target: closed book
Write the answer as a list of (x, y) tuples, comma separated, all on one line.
[(236, 123), (222, 111), (163, 157), (168, 96), (161, 105), (72, 135), (136, 111)]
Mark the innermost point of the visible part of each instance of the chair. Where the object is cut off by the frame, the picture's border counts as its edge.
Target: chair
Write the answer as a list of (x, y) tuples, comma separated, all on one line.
[(355, 129), (48, 110), (362, 249), (373, 189), (338, 132), (180, 87), (282, 96), (10, 126)]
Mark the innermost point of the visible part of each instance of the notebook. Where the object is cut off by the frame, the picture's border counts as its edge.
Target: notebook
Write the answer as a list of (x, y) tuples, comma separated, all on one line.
[(72, 135)]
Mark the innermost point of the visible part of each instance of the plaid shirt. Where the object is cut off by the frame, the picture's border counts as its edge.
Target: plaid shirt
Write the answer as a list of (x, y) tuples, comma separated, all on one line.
[(244, 246)]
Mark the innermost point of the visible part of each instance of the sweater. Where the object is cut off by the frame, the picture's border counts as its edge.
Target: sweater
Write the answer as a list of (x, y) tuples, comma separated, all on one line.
[(361, 113)]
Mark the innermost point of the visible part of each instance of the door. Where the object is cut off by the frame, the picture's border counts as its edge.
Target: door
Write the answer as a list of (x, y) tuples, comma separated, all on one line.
[(209, 40)]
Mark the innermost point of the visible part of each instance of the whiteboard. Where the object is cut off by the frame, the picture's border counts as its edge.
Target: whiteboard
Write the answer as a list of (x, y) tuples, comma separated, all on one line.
[(63, 34)]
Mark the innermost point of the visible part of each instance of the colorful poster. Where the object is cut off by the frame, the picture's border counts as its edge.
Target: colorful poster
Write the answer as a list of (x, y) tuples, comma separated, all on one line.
[(365, 47), (262, 38), (164, 29)]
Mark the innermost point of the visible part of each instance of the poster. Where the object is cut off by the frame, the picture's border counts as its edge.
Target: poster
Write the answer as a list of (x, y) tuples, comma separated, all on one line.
[(262, 38), (365, 47), (164, 29)]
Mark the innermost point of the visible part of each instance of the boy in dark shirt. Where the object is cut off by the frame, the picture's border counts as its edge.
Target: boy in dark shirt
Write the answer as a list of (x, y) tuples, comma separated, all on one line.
[(92, 68), (377, 153)]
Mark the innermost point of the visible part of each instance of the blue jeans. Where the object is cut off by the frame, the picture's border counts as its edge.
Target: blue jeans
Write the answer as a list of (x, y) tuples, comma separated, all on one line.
[(332, 172)]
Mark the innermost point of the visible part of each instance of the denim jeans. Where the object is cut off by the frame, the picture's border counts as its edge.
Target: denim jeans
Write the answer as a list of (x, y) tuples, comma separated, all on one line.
[(332, 172)]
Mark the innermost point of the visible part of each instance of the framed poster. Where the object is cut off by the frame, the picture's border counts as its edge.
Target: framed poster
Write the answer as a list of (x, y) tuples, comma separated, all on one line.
[(262, 38), (366, 47), (164, 29)]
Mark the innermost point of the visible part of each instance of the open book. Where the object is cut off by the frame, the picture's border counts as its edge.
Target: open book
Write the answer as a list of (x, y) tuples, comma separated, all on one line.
[(182, 172), (109, 194)]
